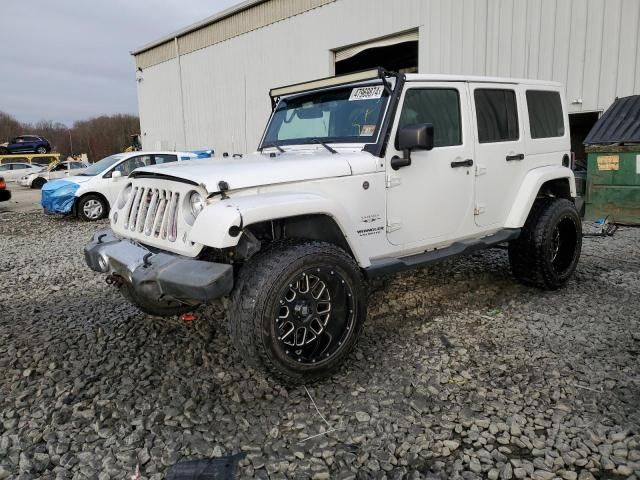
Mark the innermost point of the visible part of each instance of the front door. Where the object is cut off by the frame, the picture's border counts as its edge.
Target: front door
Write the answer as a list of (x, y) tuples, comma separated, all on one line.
[(110, 187), (431, 200), (17, 145)]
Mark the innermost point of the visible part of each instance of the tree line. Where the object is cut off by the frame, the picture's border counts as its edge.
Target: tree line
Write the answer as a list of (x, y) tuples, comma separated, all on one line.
[(97, 137)]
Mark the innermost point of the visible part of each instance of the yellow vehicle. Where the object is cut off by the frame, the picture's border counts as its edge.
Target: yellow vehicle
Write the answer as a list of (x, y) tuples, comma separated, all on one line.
[(38, 158)]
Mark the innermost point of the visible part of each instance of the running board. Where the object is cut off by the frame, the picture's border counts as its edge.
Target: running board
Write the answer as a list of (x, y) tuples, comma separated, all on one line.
[(386, 266)]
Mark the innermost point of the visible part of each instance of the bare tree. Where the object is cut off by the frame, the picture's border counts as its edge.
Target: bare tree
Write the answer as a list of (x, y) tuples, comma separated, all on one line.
[(97, 137)]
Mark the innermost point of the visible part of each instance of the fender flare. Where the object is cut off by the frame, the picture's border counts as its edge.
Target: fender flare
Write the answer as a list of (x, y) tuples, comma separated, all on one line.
[(211, 228), (529, 189)]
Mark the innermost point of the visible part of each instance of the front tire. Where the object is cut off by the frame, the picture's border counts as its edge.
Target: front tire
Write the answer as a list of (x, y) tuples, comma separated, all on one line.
[(41, 150), (298, 310), (92, 208), (547, 252), (38, 183)]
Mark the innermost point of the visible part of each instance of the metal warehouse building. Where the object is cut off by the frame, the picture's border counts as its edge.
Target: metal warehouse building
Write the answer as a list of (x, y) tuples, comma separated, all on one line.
[(207, 85)]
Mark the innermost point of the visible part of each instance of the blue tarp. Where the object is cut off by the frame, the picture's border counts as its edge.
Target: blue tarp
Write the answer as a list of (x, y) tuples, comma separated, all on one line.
[(201, 154), (58, 196)]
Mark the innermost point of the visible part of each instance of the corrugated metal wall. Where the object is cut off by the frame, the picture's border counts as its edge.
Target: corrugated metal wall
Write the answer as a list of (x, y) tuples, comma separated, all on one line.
[(592, 46)]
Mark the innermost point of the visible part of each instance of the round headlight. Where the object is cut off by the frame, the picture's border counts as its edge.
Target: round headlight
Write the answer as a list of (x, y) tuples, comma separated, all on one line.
[(196, 202), (124, 196)]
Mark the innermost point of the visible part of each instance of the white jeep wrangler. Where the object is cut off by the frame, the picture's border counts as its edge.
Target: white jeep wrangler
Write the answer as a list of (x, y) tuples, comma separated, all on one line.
[(356, 176)]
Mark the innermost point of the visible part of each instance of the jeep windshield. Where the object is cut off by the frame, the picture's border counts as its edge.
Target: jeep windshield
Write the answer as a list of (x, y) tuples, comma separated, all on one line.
[(341, 115)]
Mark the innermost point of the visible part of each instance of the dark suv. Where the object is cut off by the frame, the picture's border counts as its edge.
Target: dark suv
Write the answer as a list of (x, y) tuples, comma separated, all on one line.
[(26, 144)]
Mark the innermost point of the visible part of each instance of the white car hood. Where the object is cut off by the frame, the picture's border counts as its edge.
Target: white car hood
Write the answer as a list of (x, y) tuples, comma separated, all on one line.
[(77, 179), (259, 169)]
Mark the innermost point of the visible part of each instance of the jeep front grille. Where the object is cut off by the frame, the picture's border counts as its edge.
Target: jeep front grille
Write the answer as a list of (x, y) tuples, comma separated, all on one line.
[(152, 212)]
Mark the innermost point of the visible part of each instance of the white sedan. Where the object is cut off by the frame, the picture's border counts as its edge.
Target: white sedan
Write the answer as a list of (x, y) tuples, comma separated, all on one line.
[(90, 193), (54, 171), (13, 171)]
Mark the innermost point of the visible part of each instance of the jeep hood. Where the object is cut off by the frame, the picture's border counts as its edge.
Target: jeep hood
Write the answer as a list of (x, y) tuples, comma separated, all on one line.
[(259, 169)]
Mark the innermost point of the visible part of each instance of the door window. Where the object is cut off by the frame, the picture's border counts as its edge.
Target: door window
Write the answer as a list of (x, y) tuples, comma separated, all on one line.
[(18, 166), (160, 159), (4, 168), (545, 114), (438, 106), (497, 115), (132, 163)]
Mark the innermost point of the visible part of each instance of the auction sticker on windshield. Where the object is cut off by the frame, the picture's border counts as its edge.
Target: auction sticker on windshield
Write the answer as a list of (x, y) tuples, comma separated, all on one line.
[(366, 93)]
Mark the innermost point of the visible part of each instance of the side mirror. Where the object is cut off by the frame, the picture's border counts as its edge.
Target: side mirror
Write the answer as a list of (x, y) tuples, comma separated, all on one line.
[(416, 137), (116, 175)]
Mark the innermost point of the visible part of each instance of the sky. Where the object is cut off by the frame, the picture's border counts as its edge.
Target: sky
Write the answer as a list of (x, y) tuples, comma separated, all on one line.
[(68, 60)]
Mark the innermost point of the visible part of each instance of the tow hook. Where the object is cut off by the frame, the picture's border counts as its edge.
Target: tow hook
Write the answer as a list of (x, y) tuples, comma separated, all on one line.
[(113, 280)]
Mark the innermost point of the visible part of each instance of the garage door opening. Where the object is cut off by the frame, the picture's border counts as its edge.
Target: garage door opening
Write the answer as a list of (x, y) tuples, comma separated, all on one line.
[(580, 125), (398, 54)]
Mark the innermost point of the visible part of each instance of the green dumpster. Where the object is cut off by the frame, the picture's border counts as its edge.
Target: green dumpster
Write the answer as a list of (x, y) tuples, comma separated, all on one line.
[(613, 183), (613, 164)]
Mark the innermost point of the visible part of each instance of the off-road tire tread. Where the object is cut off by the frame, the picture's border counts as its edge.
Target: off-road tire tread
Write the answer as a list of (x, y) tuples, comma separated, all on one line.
[(526, 254), (248, 300)]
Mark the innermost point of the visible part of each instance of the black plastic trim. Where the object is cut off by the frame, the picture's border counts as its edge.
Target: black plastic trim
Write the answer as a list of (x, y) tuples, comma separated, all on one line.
[(387, 266), (161, 176), (379, 149)]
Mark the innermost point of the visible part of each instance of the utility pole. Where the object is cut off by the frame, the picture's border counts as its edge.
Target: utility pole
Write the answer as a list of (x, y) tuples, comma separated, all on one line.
[(70, 143)]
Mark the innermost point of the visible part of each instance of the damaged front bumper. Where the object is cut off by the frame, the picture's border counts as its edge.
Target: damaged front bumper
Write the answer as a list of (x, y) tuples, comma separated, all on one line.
[(158, 276)]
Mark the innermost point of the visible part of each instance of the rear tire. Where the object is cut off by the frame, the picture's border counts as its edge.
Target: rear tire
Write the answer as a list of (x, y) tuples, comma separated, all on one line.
[(157, 309), (297, 310), (38, 183), (4, 151), (92, 208), (547, 252)]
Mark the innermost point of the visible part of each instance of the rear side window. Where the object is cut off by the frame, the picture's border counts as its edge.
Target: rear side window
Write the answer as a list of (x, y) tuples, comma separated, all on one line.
[(545, 114), (160, 159), (438, 106), (497, 115)]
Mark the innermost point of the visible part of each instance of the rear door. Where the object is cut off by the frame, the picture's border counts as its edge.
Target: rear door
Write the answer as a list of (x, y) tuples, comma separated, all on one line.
[(30, 143), (500, 150), (160, 158), (17, 171)]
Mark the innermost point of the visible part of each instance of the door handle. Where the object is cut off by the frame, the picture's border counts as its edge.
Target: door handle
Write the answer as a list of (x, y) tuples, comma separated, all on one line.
[(463, 163), (519, 156)]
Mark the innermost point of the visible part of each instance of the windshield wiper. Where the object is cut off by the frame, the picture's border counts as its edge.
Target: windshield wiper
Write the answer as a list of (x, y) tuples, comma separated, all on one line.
[(273, 145), (320, 142)]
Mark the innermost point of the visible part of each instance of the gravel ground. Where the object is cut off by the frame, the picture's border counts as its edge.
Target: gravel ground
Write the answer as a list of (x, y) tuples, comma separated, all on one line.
[(461, 373)]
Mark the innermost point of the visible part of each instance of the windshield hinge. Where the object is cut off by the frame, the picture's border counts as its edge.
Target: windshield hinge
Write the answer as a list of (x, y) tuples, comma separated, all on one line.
[(393, 181)]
